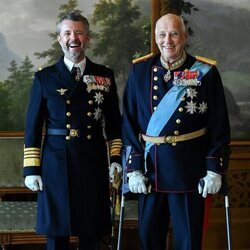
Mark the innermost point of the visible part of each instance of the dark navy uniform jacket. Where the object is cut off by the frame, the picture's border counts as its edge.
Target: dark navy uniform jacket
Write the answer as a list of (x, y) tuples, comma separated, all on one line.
[(74, 168), (175, 167)]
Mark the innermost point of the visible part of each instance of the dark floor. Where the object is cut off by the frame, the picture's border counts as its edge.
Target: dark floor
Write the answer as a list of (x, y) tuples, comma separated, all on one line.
[(31, 247), (129, 242)]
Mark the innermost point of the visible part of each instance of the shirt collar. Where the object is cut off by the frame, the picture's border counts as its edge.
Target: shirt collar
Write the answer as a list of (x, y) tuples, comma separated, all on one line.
[(69, 64)]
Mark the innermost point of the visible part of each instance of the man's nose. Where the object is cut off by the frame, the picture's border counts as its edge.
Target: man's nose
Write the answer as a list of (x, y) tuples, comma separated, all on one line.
[(73, 35), (167, 38)]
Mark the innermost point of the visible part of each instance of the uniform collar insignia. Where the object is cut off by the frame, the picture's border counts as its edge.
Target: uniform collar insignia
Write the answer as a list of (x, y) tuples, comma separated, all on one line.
[(62, 91), (175, 64), (171, 66)]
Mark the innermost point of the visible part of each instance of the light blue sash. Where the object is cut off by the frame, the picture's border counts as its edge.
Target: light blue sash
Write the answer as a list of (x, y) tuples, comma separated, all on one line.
[(167, 107)]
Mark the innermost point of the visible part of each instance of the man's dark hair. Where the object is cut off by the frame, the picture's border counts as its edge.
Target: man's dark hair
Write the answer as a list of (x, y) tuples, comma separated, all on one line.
[(74, 16)]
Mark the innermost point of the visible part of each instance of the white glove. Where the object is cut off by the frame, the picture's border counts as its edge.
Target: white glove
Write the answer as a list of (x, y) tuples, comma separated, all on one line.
[(34, 182), (212, 184), (114, 167), (137, 182)]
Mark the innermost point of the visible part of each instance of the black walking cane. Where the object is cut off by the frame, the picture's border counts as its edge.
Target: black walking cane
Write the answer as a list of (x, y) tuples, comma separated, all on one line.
[(115, 187), (112, 200), (125, 190), (121, 223)]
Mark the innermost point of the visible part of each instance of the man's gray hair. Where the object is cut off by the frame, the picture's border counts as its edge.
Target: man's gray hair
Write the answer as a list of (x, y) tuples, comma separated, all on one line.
[(74, 16)]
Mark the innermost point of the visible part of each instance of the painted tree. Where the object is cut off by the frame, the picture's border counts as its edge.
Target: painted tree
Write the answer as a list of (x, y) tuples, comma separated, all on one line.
[(4, 108), (119, 38), (16, 88)]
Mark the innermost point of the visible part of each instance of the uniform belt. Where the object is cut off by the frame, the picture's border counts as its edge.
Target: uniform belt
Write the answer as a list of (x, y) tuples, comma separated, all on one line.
[(71, 132), (174, 138)]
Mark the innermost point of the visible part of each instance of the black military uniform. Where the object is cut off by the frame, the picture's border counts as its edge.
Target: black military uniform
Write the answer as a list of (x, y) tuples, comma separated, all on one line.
[(78, 118), (193, 132)]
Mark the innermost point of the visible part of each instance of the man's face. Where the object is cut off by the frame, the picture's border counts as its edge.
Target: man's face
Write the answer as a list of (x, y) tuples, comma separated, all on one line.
[(170, 36), (73, 39)]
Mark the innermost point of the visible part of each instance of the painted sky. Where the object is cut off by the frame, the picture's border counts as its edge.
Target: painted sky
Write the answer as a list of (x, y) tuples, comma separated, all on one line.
[(26, 24)]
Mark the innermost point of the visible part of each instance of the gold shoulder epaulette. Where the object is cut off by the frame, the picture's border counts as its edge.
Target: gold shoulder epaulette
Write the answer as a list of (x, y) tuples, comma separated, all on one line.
[(143, 58), (206, 60)]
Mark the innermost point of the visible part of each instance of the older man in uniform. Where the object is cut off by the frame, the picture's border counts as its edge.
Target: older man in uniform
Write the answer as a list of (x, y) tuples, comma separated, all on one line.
[(76, 103), (176, 123)]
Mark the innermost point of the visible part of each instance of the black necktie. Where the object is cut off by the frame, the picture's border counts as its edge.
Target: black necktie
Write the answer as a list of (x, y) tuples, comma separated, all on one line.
[(76, 73)]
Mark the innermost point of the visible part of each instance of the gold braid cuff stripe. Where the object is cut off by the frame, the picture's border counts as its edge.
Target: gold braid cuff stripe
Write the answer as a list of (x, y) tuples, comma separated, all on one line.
[(31, 157), (115, 147)]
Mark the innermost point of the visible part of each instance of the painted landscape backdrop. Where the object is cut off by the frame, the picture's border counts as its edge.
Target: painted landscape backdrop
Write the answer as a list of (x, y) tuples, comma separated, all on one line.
[(220, 32)]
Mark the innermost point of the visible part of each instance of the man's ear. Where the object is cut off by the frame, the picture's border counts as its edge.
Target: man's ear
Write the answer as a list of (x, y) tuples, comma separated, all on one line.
[(88, 38), (186, 35)]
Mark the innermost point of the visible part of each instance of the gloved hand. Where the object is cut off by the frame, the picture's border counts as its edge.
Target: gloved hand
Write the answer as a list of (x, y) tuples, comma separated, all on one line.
[(137, 182), (212, 184), (114, 167), (34, 182)]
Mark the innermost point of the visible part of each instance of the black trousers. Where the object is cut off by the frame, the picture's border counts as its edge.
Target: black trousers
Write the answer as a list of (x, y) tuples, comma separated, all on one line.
[(63, 243), (187, 216)]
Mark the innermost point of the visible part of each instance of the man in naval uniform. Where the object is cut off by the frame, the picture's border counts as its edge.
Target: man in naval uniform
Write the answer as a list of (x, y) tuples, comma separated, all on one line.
[(175, 124), (79, 115)]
